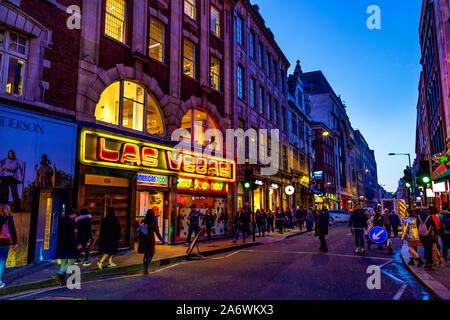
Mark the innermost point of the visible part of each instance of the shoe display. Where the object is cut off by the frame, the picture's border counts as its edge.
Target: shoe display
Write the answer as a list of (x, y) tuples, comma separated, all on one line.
[(112, 265)]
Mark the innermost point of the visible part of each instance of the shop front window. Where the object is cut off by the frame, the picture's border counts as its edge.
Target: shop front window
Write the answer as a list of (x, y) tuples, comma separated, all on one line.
[(125, 103)]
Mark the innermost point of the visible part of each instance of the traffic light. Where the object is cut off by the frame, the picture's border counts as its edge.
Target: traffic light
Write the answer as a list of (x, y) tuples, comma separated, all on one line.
[(423, 175), (407, 179), (248, 180)]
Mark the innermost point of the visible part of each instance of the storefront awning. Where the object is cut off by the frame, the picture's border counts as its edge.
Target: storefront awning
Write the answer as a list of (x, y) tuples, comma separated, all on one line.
[(443, 177), (314, 190)]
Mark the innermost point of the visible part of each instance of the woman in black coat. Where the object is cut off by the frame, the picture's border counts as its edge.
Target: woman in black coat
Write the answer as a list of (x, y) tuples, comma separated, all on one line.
[(66, 249), (322, 222), (110, 235), (147, 230)]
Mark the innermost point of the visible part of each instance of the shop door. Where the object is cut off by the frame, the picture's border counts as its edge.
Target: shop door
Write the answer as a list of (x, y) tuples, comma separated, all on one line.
[(99, 199)]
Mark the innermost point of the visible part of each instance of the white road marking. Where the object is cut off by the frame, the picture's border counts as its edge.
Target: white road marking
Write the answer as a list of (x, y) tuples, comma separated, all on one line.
[(400, 292), (225, 257), (328, 254)]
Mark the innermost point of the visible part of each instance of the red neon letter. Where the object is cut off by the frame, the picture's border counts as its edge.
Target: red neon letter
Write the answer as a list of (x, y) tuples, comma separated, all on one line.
[(213, 168), (188, 164), (201, 166), (173, 164), (130, 153), (225, 170), (105, 154), (149, 157)]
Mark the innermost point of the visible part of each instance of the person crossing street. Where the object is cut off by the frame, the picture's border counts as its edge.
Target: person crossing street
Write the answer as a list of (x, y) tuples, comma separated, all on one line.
[(358, 225)]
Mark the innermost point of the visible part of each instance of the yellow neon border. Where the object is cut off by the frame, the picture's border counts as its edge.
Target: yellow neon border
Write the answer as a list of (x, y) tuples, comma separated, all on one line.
[(83, 159)]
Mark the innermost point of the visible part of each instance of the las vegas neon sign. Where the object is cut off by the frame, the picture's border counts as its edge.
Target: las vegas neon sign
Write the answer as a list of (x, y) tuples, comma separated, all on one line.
[(112, 151)]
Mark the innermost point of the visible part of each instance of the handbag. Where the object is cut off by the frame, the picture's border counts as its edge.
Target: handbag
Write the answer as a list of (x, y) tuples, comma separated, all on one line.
[(5, 235), (144, 229)]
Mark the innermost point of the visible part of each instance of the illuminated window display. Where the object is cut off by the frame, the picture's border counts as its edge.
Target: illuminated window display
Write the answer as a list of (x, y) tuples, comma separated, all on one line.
[(197, 122), (124, 104)]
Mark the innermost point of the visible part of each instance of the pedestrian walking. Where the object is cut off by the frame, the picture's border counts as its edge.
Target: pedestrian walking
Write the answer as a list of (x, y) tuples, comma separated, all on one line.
[(427, 234), (444, 218), (84, 235), (110, 235), (263, 222), (299, 217), (147, 230), (437, 258), (270, 220), (209, 222), (310, 219), (280, 220), (358, 225), (66, 249), (242, 223), (8, 237), (194, 223), (322, 223), (410, 233), (258, 221), (395, 222)]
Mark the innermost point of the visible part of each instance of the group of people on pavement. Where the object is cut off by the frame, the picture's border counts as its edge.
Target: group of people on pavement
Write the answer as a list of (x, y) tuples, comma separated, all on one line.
[(427, 227)]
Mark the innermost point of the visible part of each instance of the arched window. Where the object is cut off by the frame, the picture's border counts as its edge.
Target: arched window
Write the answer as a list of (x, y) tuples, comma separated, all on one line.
[(124, 104), (197, 121)]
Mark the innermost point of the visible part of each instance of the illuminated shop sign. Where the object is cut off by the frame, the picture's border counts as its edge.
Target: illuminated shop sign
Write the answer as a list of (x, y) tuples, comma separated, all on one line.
[(201, 185), (145, 179), (108, 150)]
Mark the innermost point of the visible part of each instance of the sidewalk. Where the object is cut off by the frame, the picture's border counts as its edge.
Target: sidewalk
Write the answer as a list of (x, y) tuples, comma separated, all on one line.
[(33, 277), (437, 281)]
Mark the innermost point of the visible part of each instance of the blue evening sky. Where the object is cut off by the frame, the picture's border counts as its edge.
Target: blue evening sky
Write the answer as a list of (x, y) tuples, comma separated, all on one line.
[(376, 72)]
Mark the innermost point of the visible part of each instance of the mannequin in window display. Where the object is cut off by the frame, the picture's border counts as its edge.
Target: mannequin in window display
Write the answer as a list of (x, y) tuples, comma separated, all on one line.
[(11, 174)]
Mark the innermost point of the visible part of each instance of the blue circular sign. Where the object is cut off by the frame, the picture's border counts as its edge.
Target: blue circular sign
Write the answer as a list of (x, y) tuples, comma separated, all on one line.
[(378, 235)]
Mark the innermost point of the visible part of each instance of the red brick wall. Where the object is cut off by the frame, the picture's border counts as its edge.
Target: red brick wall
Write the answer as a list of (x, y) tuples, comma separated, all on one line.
[(62, 76)]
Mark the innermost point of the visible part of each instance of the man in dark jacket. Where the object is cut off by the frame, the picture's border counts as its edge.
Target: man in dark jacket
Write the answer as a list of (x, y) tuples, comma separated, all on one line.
[(300, 217), (84, 234), (243, 219), (358, 224), (429, 239), (194, 223), (66, 250), (322, 223)]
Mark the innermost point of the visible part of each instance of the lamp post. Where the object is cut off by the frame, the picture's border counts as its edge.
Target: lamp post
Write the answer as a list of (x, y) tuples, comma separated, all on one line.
[(413, 180)]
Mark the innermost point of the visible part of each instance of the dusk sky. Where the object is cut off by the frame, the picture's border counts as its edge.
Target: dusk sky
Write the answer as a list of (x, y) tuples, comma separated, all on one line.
[(376, 72)]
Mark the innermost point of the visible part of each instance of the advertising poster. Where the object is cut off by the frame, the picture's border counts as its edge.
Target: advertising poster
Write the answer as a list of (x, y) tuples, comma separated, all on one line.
[(35, 151)]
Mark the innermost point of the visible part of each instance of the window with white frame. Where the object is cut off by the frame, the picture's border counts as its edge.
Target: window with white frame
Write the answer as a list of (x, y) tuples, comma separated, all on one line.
[(215, 21), (189, 8), (13, 58), (156, 40)]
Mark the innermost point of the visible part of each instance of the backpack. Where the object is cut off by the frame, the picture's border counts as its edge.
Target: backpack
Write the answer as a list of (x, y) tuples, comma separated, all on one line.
[(143, 229), (446, 223), (423, 230)]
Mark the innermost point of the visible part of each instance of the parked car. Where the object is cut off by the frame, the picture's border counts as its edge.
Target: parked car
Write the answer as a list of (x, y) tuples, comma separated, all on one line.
[(339, 215)]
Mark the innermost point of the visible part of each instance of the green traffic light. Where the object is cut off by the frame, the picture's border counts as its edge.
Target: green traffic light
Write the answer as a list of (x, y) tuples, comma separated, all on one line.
[(408, 185), (247, 185), (426, 180)]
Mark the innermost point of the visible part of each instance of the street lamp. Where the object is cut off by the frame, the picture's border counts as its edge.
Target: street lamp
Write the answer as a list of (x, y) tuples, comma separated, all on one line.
[(413, 180)]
